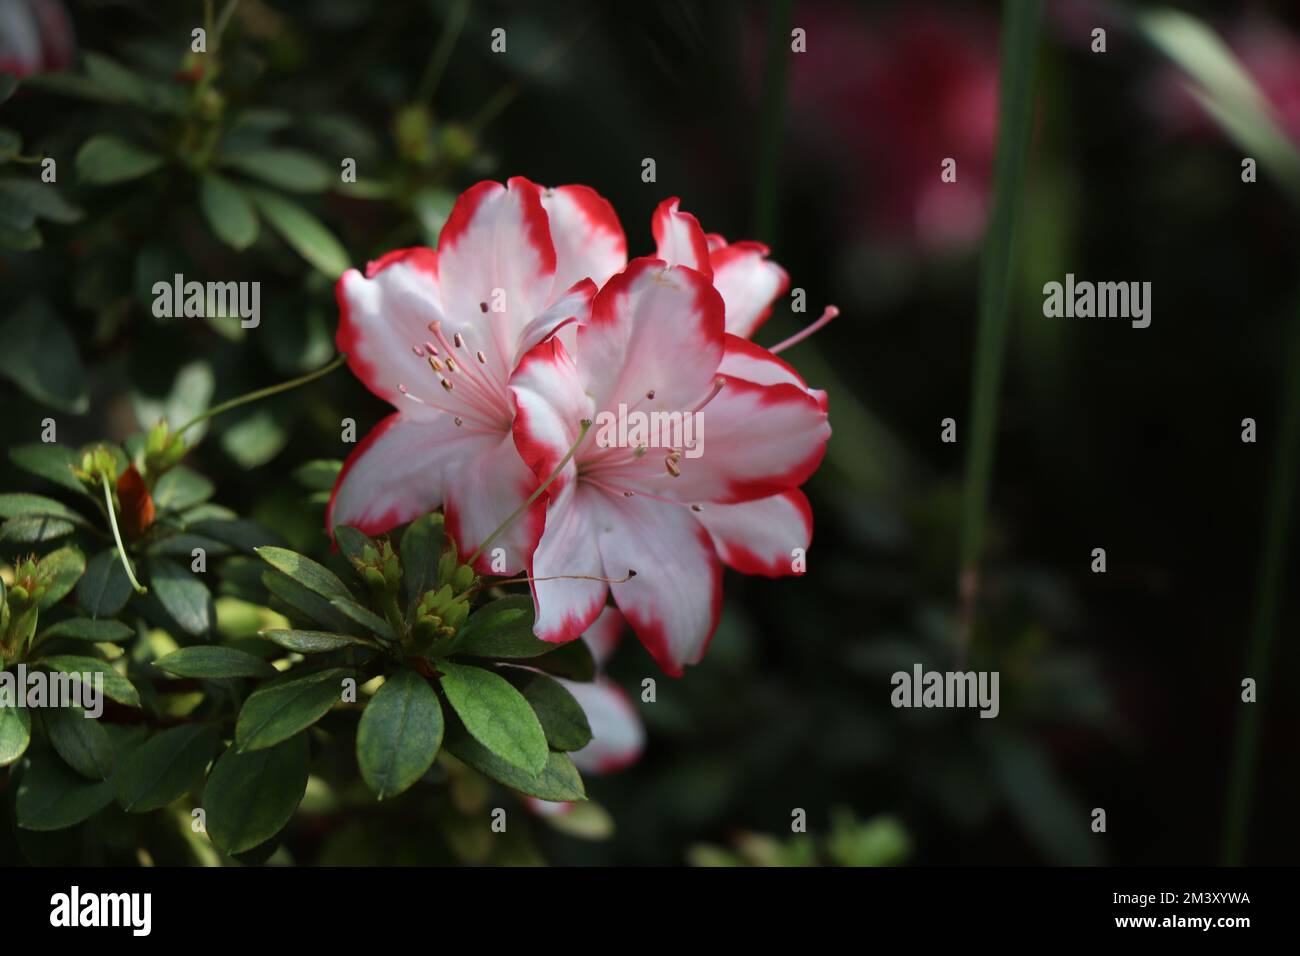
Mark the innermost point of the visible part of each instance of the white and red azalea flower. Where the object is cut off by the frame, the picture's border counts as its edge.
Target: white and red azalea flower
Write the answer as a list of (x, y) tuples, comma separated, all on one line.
[(491, 352), (656, 343), (437, 335)]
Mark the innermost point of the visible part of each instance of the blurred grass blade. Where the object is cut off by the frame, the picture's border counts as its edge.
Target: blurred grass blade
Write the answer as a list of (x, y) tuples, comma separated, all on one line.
[(1020, 24), (1223, 87)]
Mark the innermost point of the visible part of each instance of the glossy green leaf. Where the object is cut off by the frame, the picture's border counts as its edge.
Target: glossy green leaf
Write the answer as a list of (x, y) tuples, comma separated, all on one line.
[(15, 733), (59, 571), (251, 796), (182, 593), (305, 233), (81, 741), (399, 734), (279, 710), (53, 797), (287, 169), (116, 686), (213, 662), (87, 629), (558, 780), (560, 714), (228, 212), (40, 357), (50, 461), (164, 767), (496, 715), (107, 159), (421, 547), (313, 642), (104, 589)]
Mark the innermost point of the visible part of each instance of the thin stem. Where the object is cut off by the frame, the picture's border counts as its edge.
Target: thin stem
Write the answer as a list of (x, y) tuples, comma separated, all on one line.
[(1020, 23), (514, 515), (117, 536), (263, 393), (771, 120), (1264, 615), (442, 53)]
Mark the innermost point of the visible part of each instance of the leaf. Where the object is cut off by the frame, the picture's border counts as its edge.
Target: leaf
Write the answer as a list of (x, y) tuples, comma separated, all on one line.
[(558, 711), (116, 686), (59, 571), (421, 547), (107, 159), (87, 629), (319, 474), (279, 710), (307, 603), (288, 169), (306, 572), (33, 529), (399, 734), (39, 200), (303, 232), (52, 797), (127, 86), (256, 438), (182, 594), (228, 212), (81, 741), (210, 662), (313, 642), (352, 542), (16, 505), (179, 488), (15, 733), (559, 779), (40, 357), (572, 661), (164, 767), (104, 589), (238, 533), (51, 461), (250, 797), (503, 629), (371, 621), (496, 715), (190, 393)]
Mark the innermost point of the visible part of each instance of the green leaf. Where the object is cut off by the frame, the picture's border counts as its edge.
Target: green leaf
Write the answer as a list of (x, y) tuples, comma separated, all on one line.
[(211, 662), (8, 83), (15, 733), (40, 357), (190, 393), (11, 144), (496, 715), (52, 797), (559, 779), (86, 629), (307, 603), (39, 200), (106, 159), (313, 642), (123, 85), (421, 547), (572, 661), (182, 594), (399, 734), (303, 232), (306, 572), (319, 474), (33, 529), (164, 767), (503, 629), (104, 589), (281, 709), (256, 438), (560, 714), (250, 797), (16, 505), (228, 212), (116, 686), (288, 169), (81, 741), (180, 488), (51, 461), (371, 621), (352, 542), (59, 571)]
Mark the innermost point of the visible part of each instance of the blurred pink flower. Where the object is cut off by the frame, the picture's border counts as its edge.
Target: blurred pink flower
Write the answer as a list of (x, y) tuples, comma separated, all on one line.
[(35, 37)]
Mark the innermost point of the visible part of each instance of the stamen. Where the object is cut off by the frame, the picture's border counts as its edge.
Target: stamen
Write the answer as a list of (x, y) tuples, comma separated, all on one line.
[(460, 343), (435, 364), (670, 461), (718, 384), (482, 359), (696, 508), (451, 364), (830, 313), (419, 352), (650, 394), (459, 422), (445, 384)]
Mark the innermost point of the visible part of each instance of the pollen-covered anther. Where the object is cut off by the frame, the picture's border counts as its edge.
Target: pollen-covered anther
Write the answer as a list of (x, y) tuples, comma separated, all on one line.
[(459, 342), (481, 357), (696, 508), (451, 364), (435, 364), (650, 395), (459, 422), (417, 351), (670, 462), (445, 384)]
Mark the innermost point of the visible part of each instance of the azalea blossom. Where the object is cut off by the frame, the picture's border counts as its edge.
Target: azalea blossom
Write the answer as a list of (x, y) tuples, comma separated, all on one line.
[(649, 525), (437, 334)]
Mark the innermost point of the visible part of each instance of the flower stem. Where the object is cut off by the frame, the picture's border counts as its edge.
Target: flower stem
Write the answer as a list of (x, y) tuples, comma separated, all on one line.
[(1264, 614), (514, 515), (1020, 23), (442, 52), (117, 536), (263, 393), (771, 120)]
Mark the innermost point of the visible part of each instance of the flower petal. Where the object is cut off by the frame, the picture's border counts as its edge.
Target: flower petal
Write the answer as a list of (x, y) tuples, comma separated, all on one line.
[(382, 315), (567, 605), (617, 734), (589, 240), (673, 602), (679, 240), (749, 283), (570, 310), (604, 633), (655, 338), (747, 360), (759, 537), (481, 494), (496, 263), (394, 475), (550, 405)]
